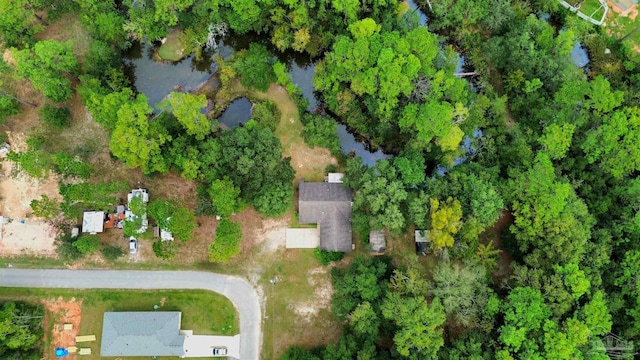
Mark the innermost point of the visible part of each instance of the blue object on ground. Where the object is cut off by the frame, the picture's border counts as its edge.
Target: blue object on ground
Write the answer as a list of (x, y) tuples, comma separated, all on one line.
[(61, 352)]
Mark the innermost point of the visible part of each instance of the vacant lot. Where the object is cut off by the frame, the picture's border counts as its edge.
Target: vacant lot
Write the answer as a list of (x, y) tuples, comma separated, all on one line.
[(204, 312)]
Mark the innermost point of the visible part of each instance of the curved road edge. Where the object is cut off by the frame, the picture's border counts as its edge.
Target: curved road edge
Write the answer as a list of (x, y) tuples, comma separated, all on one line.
[(239, 291)]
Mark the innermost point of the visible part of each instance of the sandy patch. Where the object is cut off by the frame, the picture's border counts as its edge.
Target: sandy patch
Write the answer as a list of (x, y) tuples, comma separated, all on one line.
[(24, 234), (309, 162), (272, 234), (321, 298), (63, 312), (35, 238)]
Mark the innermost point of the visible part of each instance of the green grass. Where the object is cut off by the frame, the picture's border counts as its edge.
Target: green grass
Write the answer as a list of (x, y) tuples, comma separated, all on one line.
[(172, 48), (204, 312), (592, 9), (621, 26), (295, 286)]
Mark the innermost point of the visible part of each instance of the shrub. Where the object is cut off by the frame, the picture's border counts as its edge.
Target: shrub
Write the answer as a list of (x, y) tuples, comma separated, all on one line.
[(70, 166), (112, 253), (321, 131), (65, 248), (266, 113), (325, 257), (165, 250), (227, 242), (58, 117), (204, 204), (87, 244), (45, 208), (8, 107)]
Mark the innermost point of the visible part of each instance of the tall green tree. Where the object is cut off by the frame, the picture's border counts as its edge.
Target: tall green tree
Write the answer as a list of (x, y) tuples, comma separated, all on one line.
[(381, 196), (48, 66), (187, 108), (136, 140), (552, 225), (418, 333)]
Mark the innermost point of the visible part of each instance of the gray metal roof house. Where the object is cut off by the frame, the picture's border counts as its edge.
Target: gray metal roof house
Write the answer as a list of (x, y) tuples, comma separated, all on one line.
[(329, 206), (154, 333)]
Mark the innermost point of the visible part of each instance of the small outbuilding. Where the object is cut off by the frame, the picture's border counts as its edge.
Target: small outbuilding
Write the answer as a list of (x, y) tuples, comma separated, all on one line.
[(377, 241), (422, 242), (93, 222), (335, 178)]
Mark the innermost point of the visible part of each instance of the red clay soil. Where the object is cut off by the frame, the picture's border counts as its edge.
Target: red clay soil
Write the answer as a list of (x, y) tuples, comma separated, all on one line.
[(60, 312)]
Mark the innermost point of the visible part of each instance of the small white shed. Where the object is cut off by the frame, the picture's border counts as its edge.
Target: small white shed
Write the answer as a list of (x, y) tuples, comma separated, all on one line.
[(93, 222)]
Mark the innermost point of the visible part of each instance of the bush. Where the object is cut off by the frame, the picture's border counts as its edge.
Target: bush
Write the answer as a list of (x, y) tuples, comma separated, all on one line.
[(69, 166), (266, 113), (325, 257), (8, 107), (45, 208), (112, 253), (65, 249), (227, 242), (59, 117), (321, 131), (87, 244), (165, 250), (204, 204), (255, 67)]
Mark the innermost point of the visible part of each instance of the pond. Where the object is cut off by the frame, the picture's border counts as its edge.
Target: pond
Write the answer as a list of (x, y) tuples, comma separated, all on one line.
[(579, 55), (237, 113), (156, 79)]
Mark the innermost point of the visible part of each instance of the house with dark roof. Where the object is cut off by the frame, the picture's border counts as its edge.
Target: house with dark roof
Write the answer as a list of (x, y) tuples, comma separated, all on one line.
[(328, 205), (154, 333)]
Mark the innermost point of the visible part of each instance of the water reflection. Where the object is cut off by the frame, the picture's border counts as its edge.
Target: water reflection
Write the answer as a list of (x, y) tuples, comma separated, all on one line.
[(579, 55), (238, 112), (349, 144), (413, 6), (157, 79)]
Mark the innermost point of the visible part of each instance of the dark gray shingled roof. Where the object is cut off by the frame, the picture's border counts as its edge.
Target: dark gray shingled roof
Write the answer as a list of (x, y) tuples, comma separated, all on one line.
[(153, 333), (329, 206)]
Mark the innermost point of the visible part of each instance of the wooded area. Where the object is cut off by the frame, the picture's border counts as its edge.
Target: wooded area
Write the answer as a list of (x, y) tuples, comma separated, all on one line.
[(534, 137)]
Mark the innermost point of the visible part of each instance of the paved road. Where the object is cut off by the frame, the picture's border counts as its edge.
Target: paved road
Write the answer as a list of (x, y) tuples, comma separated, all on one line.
[(243, 296)]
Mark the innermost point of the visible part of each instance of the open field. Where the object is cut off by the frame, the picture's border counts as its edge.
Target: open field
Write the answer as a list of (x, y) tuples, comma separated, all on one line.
[(204, 312), (298, 308)]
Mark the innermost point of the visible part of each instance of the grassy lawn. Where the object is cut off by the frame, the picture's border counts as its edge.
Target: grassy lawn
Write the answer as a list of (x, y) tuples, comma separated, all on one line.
[(619, 26), (204, 312), (592, 9), (308, 163), (172, 48), (297, 309)]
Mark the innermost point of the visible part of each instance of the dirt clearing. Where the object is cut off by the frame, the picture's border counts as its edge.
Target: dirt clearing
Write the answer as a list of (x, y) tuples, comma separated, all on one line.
[(24, 234), (61, 312)]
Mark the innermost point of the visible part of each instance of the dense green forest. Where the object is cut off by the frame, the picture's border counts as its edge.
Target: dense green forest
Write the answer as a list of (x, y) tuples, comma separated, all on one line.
[(21, 331), (530, 138)]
